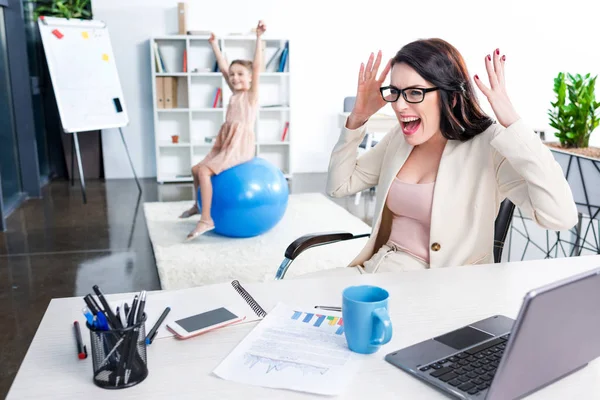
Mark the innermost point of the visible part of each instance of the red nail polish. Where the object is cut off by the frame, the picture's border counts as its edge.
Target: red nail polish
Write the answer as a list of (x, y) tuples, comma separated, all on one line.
[(497, 51), (503, 58), (476, 77), (489, 58)]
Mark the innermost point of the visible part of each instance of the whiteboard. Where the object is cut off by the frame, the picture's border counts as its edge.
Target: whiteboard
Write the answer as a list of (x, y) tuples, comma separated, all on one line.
[(84, 74)]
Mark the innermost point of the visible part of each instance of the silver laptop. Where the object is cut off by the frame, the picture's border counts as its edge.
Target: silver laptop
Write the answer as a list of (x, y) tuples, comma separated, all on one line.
[(555, 334)]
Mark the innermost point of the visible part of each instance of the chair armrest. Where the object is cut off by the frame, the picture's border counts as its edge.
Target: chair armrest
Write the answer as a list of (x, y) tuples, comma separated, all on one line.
[(317, 239), (306, 242)]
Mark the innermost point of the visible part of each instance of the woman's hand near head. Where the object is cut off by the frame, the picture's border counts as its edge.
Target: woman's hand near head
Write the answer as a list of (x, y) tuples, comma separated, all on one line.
[(496, 95), (368, 97)]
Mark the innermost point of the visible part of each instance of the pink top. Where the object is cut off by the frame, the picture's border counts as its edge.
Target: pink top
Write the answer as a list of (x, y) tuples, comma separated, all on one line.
[(235, 143), (411, 205)]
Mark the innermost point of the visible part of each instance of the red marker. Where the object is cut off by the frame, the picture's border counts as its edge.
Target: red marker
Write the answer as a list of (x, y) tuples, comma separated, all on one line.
[(81, 350), (57, 33)]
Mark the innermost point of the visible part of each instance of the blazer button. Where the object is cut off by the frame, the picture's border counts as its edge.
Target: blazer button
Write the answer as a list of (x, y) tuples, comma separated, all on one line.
[(436, 246)]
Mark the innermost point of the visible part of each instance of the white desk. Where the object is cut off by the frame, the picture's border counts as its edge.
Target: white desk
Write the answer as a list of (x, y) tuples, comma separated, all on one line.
[(422, 304)]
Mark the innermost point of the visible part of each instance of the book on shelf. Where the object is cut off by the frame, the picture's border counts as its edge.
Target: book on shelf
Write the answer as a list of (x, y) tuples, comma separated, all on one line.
[(273, 58), (160, 63), (284, 58), (279, 60), (218, 98), (185, 61), (285, 131)]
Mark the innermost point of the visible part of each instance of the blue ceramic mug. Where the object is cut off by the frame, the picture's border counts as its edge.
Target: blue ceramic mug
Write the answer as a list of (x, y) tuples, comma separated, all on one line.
[(367, 324)]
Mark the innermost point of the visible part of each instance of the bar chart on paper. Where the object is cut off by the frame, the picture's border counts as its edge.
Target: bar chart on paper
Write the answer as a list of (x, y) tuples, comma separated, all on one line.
[(294, 349), (328, 322)]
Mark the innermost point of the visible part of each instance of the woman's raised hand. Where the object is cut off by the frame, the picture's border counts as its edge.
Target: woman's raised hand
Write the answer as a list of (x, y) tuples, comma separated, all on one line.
[(496, 93), (212, 38), (368, 98)]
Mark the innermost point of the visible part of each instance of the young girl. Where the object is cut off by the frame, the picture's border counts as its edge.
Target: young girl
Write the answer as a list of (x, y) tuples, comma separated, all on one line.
[(235, 143)]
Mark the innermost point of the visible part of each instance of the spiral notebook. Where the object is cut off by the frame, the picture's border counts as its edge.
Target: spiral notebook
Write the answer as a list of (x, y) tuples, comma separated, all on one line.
[(187, 302), (250, 301)]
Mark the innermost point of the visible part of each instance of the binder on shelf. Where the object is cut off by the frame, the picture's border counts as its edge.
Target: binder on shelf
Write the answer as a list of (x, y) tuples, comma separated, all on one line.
[(170, 92), (160, 92)]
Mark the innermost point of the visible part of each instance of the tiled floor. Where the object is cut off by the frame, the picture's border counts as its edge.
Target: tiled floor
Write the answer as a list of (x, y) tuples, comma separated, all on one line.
[(59, 247)]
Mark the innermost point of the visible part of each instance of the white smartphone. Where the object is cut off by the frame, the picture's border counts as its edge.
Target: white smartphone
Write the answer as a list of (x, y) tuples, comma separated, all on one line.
[(200, 323)]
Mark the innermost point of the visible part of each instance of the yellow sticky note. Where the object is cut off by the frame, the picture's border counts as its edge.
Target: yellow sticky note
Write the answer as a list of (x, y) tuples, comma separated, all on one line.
[(85, 35), (105, 57)]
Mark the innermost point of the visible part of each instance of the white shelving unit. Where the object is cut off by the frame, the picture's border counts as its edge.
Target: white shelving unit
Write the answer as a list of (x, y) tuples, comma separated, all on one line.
[(194, 119)]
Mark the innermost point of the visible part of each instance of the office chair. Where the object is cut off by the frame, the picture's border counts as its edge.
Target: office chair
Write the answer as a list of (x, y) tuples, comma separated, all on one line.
[(305, 242)]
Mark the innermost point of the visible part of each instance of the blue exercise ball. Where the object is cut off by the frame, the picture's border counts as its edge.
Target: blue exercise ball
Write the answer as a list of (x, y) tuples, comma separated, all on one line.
[(248, 199)]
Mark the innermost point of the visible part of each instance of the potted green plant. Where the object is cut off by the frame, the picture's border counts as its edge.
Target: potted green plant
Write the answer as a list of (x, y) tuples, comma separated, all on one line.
[(575, 113), (575, 116), (79, 9)]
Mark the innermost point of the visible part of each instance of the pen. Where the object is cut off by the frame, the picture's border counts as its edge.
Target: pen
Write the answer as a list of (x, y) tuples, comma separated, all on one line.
[(91, 304), (81, 349), (154, 329), (88, 316), (329, 308), (132, 350), (112, 351), (101, 322), (110, 316), (121, 315), (131, 315), (140, 311), (95, 303)]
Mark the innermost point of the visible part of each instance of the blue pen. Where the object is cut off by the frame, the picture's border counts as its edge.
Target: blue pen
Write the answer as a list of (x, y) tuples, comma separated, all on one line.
[(89, 316), (102, 322)]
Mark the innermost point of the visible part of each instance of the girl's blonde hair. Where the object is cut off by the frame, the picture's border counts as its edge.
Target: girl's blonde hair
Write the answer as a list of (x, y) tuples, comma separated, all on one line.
[(245, 63)]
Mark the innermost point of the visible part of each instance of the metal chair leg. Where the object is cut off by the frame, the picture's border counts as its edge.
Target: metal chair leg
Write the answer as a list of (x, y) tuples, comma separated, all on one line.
[(281, 271)]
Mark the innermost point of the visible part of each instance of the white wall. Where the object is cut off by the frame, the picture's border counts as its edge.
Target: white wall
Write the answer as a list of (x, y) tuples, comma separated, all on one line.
[(329, 39)]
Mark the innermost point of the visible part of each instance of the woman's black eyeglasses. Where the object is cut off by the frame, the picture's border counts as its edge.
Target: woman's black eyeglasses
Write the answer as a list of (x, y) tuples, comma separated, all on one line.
[(391, 94)]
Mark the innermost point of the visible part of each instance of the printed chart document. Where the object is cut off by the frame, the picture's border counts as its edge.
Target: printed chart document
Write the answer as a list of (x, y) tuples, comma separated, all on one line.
[(294, 349)]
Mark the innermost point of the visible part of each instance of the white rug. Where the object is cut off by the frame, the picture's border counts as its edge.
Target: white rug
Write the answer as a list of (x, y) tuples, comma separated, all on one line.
[(212, 258)]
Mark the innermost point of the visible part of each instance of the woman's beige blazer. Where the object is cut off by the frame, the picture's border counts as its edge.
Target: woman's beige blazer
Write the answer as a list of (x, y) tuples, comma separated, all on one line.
[(473, 178)]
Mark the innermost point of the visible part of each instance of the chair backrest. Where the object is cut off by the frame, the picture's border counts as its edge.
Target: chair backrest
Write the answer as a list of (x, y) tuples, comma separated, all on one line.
[(349, 103), (502, 224)]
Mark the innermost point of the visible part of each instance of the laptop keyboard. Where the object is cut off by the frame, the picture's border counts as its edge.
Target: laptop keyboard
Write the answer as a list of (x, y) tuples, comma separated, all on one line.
[(472, 370)]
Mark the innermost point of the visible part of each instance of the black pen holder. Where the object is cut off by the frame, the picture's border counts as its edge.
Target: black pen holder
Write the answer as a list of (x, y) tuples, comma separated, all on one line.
[(119, 355)]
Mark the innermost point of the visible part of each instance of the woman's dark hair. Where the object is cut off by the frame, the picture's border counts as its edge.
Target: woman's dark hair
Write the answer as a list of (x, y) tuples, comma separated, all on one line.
[(438, 62), (245, 63)]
